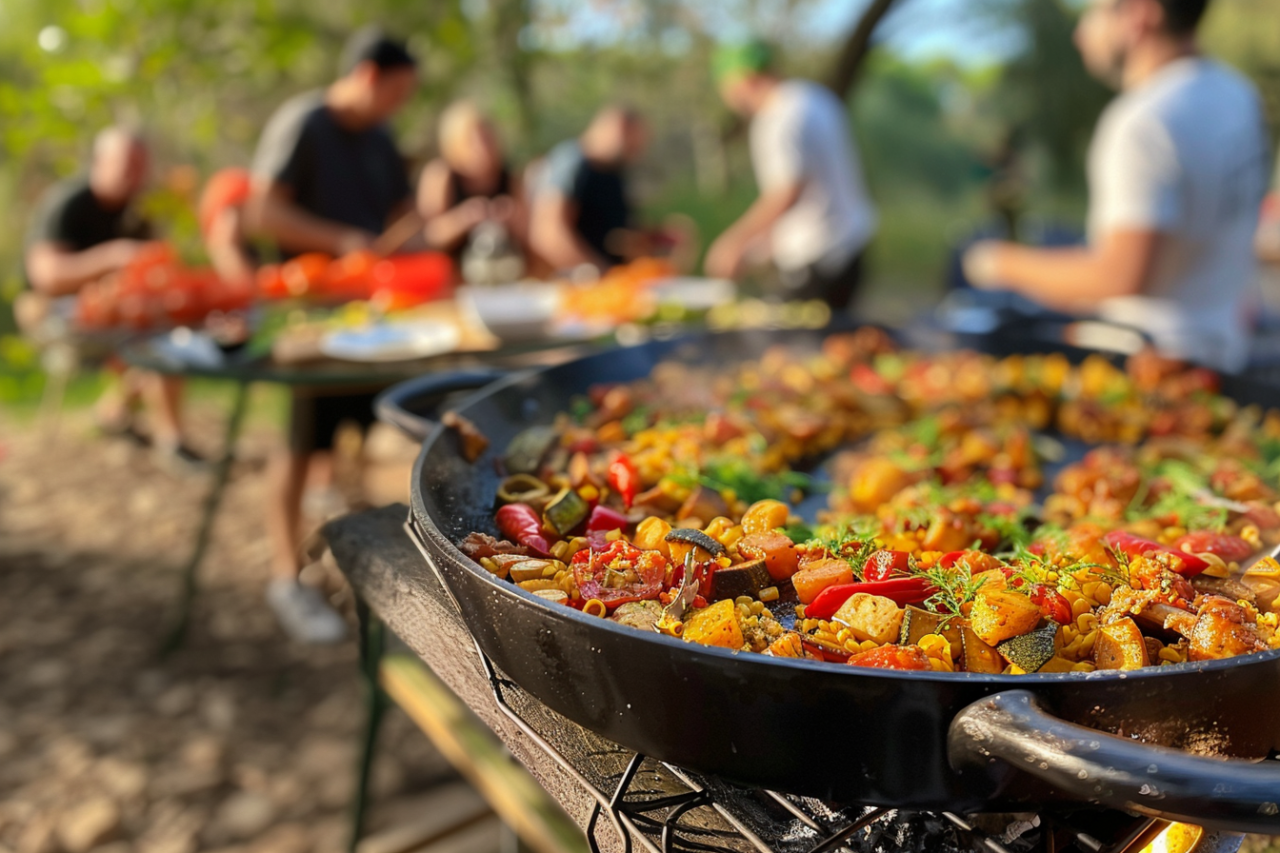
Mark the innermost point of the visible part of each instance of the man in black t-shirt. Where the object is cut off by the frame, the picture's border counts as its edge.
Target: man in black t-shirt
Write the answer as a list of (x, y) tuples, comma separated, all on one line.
[(327, 178), (83, 229), (582, 211)]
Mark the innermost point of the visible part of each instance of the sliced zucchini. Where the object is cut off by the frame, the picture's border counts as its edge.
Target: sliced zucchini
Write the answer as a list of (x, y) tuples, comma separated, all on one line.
[(1031, 651), (525, 452), (566, 511)]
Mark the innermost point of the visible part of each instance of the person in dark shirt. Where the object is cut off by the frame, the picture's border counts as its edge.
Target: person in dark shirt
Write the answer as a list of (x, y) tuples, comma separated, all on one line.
[(582, 212), (327, 177), (86, 228)]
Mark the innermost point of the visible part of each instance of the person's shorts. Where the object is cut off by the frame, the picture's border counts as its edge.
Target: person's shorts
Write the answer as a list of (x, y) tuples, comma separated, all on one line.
[(836, 287), (314, 419)]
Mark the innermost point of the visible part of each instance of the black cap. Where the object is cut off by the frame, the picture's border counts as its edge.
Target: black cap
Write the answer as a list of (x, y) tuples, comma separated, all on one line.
[(371, 44)]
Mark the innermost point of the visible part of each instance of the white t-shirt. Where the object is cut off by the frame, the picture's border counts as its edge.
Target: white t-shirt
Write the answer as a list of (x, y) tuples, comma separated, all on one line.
[(1185, 154), (802, 134)]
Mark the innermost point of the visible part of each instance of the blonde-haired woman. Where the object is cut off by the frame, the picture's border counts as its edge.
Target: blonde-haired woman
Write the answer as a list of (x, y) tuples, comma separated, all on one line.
[(469, 183)]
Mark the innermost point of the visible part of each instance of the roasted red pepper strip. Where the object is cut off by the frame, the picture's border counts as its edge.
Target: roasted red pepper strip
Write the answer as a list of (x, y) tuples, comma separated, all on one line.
[(1187, 565), (521, 523), (903, 591), (624, 479), (883, 565), (603, 518)]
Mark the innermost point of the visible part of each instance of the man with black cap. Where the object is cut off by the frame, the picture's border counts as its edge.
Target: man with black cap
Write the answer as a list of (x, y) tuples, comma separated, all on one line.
[(814, 217), (327, 177)]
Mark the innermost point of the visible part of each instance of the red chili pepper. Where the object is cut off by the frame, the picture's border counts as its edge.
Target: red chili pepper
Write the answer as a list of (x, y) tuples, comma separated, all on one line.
[(624, 479), (1187, 565), (603, 518), (522, 523), (885, 564), (596, 571), (903, 591), (1052, 604), (1232, 549)]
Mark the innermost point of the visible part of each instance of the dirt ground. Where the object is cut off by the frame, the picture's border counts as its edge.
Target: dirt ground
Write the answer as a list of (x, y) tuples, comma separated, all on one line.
[(239, 741)]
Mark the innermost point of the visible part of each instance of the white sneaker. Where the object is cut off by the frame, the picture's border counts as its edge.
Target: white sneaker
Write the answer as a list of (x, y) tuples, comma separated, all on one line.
[(303, 612)]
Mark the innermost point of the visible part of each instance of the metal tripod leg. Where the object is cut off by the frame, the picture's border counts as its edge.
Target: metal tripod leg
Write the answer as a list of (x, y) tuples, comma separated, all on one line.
[(212, 501), (372, 641)]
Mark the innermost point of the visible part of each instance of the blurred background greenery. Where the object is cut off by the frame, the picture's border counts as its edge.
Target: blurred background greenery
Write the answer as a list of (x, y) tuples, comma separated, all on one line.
[(954, 93)]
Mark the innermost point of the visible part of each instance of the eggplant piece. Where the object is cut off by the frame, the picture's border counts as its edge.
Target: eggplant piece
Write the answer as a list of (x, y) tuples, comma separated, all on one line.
[(566, 512), (918, 622), (978, 656), (1032, 650), (697, 538), (525, 452), (742, 579)]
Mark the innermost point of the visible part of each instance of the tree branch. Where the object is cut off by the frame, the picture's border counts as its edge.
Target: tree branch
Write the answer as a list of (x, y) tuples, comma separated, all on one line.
[(855, 49)]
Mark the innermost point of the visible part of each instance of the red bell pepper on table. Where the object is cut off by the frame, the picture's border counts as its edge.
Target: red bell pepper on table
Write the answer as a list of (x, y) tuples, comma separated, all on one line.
[(902, 591), (1187, 565), (522, 524)]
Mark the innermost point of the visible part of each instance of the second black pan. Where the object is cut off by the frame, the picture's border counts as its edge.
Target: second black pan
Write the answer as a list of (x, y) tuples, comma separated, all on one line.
[(1151, 741)]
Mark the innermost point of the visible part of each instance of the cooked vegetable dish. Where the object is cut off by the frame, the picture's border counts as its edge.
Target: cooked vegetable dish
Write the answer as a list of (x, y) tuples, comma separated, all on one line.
[(997, 516)]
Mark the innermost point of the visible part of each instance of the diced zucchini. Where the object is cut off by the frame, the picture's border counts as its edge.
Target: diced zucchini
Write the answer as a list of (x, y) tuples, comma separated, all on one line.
[(525, 452), (742, 579), (918, 622), (1031, 651), (1120, 645), (978, 656), (870, 617), (566, 511)]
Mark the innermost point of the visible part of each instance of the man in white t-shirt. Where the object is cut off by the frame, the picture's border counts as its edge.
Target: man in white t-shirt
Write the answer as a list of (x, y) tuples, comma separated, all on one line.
[(813, 217), (1177, 171)]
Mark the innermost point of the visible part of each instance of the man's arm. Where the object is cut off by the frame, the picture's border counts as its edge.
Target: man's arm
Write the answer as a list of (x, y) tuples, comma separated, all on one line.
[(56, 270), (448, 222), (272, 213), (553, 233), (724, 258), (1073, 278)]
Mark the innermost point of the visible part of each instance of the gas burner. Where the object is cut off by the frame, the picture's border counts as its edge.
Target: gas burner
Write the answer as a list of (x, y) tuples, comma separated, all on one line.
[(662, 808)]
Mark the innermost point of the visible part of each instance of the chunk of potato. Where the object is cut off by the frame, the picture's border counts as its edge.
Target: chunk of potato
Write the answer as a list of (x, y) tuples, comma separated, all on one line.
[(816, 577), (716, 625), (870, 617), (1000, 614), (1120, 645)]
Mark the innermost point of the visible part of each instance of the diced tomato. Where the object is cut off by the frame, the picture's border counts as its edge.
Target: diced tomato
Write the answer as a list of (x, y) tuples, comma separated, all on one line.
[(892, 657), (604, 573), (1229, 548), (1052, 604), (884, 564)]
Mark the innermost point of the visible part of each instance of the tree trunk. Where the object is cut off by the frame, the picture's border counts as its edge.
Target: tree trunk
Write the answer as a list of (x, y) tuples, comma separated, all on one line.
[(855, 49)]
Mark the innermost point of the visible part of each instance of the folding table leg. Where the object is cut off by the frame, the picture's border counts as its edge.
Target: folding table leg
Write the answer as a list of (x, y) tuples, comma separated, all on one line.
[(212, 501), (371, 647)]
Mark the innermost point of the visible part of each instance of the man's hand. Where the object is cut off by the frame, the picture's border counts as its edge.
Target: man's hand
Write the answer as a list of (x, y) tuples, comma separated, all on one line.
[(724, 258), (981, 264)]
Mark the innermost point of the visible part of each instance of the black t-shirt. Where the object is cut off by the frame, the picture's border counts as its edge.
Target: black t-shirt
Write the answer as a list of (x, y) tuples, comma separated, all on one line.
[(356, 178), (70, 214), (600, 195)]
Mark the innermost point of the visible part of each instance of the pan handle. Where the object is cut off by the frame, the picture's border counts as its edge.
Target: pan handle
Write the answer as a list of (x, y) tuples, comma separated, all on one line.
[(1085, 764), (402, 405)]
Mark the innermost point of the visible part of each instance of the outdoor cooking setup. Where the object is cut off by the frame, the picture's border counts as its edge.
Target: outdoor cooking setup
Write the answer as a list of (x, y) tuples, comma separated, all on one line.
[(861, 758)]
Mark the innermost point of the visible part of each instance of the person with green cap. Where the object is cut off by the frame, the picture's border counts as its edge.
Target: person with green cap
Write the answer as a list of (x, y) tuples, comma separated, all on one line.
[(813, 218)]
